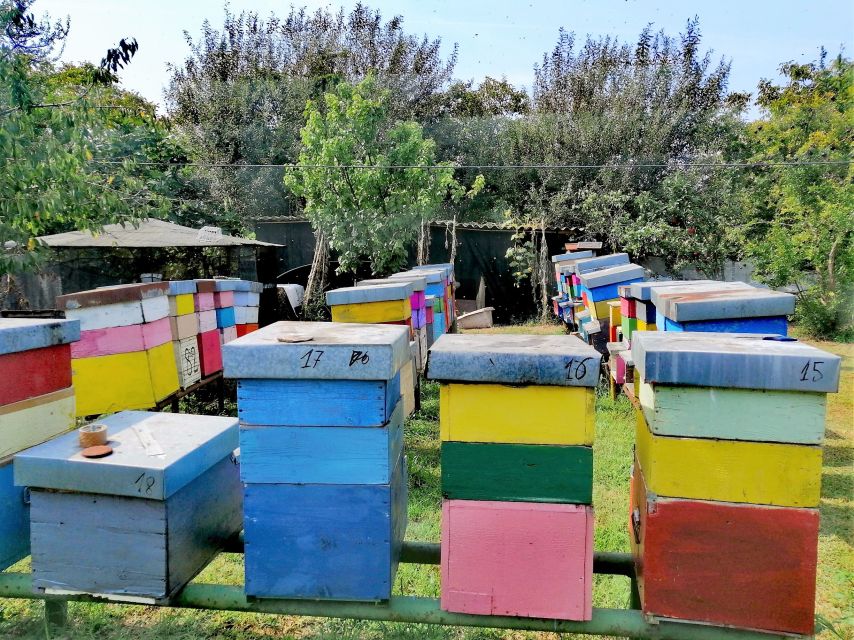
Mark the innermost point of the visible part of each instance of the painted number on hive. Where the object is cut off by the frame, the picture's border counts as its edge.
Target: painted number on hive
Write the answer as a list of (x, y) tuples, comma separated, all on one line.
[(144, 484), (310, 358), (811, 372), (578, 371), (359, 357)]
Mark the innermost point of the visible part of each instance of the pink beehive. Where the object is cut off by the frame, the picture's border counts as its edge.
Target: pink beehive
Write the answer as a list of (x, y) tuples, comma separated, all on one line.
[(517, 559)]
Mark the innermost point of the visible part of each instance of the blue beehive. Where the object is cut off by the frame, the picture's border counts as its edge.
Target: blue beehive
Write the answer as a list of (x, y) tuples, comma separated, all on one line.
[(321, 438), (138, 524), (15, 521)]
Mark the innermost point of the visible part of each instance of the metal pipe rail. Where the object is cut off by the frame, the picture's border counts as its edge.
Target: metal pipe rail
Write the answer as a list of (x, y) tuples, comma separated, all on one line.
[(612, 622)]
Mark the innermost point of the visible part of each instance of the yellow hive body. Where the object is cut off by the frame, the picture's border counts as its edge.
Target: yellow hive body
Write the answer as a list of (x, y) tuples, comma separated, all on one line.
[(368, 312)]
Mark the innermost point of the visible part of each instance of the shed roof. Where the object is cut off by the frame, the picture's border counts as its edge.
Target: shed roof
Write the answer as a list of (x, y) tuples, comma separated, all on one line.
[(147, 233)]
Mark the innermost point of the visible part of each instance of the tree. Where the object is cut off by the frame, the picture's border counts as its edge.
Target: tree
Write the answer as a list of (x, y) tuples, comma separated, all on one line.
[(50, 139), (239, 97), (800, 227), (363, 179)]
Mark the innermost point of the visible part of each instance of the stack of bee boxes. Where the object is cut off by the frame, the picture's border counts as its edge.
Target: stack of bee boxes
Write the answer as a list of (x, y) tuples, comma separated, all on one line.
[(727, 477), (184, 322), (124, 359), (447, 293), (517, 427), (210, 346), (247, 300), (36, 404), (321, 440)]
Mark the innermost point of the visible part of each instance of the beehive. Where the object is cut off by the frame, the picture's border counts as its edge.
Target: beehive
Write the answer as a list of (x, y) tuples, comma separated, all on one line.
[(599, 287), (209, 339), (125, 358), (138, 524), (184, 322), (371, 304), (36, 404), (418, 305), (321, 435), (727, 477), (516, 423)]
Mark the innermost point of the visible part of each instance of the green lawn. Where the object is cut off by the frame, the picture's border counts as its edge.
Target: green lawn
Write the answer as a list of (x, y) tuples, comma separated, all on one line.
[(612, 461)]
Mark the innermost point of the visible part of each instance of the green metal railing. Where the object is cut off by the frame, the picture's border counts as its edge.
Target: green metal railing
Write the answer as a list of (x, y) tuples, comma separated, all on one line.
[(611, 622)]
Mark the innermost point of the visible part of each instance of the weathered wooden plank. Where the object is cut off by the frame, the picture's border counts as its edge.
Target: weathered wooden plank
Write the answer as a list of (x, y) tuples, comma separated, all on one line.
[(32, 421), (571, 255), (210, 352), (317, 403), (517, 559), (768, 326), (321, 455), (645, 311), (612, 277), (181, 304), (206, 285), (657, 291), (155, 308), (514, 359), (191, 444), (324, 541), (785, 475), (755, 302), (407, 387), (181, 287), (319, 351), (601, 262), (163, 369), (517, 472), (121, 314), (725, 564), (418, 282), (747, 361), (15, 523), (25, 334), (28, 374), (187, 359), (106, 384), (734, 414), (386, 292), (643, 290), (430, 274), (535, 414), (112, 295), (371, 312)]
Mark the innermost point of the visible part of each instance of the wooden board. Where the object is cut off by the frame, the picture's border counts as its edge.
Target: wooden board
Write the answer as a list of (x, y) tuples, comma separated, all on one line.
[(752, 302), (30, 422), (107, 384), (535, 414), (187, 359), (121, 314), (24, 334), (181, 304), (140, 550), (725, 564), (601, 262), (514, 359), (517, 472), (223, 299), (111, 295), (163, 369), (369, 312), (645, 310), (784, 475), (210, 352), (207, 321), (28, 374), (181, 287), (155, 308), (187, 326), (407, 387), (734, 414), (774, 325), (319, 351), (317, 403), (517, 559), (321, 455), (154, 456), (203, 302), (338, 542), (15, 523), (393, 290)]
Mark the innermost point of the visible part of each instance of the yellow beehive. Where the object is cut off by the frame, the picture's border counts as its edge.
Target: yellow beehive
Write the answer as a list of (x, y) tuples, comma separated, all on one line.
[(373, 312)]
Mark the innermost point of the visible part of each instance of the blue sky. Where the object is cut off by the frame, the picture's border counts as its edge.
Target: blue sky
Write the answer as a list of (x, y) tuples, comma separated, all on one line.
[(495, 38)]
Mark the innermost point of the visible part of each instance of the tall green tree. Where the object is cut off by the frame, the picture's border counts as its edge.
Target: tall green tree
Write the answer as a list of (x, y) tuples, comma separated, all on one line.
[(51, 135), (800, 227)]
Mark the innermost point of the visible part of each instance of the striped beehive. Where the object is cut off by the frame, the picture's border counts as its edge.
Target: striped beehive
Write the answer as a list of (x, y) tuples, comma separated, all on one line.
[(184, 322), (246, 299), (36, 404), (209, 340), (448, 299), (517, 425), (724, 307), (727, 477), (439, 279), (140, 523), (321, 438), (124, 358)]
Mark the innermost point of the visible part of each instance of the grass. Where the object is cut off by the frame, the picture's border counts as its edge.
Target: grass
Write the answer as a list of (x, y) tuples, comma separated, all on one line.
[(612, 461)]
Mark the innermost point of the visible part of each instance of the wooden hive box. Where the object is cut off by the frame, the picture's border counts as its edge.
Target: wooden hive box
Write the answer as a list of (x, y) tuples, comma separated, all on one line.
[(517, 559), (388, 302), (223, 299), (207, 321), (418, 282), (224, 317), (243, 329), (246, 315), (227, 334), (187, 359), (117, 306), (15, 520), (727, 564), (139, 524), (37, 401), (210, 352), (324, 541)]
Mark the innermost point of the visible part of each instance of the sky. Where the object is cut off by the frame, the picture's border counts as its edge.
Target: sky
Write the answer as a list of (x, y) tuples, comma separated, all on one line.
[(498, 39)]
